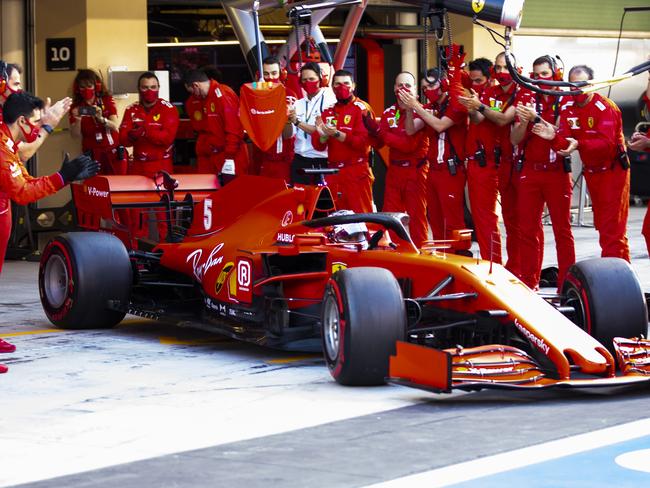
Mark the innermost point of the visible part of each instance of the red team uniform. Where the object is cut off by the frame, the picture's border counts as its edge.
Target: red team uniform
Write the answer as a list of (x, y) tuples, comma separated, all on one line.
[(151, 132), (489, 178), (16, 184), (598, 128), (101, 140), (406, 179), (354, 180), (446, 182), (645, 230), (220, 133), (542, 180)]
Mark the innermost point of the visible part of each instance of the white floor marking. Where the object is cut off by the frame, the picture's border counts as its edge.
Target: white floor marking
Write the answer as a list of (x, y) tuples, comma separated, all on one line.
[(506, 461), (86, 401), (637, 460)]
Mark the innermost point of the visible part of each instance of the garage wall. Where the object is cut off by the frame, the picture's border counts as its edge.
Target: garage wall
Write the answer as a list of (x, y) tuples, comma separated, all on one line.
[(106, 34)]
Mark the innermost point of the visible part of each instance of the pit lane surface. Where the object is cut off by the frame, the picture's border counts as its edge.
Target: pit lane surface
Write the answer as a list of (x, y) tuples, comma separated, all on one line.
[(151, 405)]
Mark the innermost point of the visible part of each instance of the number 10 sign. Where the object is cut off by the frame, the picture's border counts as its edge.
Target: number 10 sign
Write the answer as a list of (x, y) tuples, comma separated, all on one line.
[(60, 54)]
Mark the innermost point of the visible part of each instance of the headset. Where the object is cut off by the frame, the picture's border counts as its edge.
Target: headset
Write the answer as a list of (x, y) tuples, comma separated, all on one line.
[(558, 72), (315, 67), (3, 76)]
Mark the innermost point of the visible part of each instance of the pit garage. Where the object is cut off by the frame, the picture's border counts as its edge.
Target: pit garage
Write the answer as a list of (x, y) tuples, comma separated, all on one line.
[(162, 399)]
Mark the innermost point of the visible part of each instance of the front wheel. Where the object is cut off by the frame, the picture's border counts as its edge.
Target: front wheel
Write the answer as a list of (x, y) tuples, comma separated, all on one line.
[(363, 316), (607, 299), (81, 276)]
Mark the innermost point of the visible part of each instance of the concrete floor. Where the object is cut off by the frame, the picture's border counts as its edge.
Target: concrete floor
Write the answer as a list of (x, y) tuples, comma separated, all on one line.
[(146, 404)]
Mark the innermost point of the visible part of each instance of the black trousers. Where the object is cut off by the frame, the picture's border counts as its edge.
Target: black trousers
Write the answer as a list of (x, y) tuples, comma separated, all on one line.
[(300, 162)]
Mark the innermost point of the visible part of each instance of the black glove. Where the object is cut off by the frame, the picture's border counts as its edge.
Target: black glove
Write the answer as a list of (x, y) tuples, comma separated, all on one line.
[(371, 124), (81, 167)]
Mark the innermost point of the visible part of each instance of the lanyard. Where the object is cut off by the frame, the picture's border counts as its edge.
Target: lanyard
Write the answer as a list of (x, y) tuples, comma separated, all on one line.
[(309, 114)]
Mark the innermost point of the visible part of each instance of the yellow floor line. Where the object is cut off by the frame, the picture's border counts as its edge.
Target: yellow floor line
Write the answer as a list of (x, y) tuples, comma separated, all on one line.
[(31, 332), (292, 360), (173, 341)]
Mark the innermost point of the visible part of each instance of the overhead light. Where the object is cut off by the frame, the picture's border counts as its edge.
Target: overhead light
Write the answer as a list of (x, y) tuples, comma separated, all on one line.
[(219, 43)]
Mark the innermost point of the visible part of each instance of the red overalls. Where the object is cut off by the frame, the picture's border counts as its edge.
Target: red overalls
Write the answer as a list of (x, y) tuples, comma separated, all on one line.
[(100, 140), (598, 128), (487, 178), (353, 183), (151, 132), (16, 184), (446, 181), (406, 179), (645, 230), (220, 133), (543, 180)]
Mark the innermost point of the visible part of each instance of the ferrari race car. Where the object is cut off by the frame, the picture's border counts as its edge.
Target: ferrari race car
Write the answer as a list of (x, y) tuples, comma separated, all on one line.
[(279, 266)]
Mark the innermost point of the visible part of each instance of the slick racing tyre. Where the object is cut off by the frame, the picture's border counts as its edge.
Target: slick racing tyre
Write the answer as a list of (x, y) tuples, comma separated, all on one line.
[(80, 274), (607, 299), (362, 317)]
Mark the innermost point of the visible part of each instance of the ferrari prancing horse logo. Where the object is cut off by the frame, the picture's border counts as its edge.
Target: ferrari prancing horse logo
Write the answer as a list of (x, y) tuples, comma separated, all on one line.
[(477, 5)]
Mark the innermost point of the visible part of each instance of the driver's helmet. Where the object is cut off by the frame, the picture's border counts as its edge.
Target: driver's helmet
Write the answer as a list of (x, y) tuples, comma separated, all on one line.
[(349, 233)]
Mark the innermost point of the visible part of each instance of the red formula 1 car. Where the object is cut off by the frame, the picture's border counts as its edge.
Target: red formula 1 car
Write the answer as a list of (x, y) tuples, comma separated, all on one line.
[(281, 267)]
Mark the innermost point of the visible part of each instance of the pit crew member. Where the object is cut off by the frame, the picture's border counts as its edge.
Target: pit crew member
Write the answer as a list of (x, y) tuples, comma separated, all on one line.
[(276, 161), (406, 178), (149, 126), (641, 142), (446, 128), (22, 119), (318, 97), (593, 125), (51, 115), (341, 131), (214, 109), (545, 177), (93, 117), (489, 165)]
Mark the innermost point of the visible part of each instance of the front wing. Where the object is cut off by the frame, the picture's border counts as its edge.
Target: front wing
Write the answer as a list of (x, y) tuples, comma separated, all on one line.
[(506, 367)]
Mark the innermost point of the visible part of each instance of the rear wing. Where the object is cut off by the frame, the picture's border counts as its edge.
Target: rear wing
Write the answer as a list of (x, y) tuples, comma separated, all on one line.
[(96, 199)]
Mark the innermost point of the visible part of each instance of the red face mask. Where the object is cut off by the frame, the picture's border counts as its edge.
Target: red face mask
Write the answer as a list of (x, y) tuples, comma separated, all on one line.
[(342, 92), (149, 96), (87, 93), (504, 78), (479, 87), (581, 99), (32, 135), (311, 87), (432, 94)]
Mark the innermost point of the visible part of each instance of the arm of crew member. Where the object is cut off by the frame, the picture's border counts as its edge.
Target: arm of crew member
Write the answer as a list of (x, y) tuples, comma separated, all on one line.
[(411, 124), (27, 150), (518, 131), (500, 118), (438, 124), (525, 114)]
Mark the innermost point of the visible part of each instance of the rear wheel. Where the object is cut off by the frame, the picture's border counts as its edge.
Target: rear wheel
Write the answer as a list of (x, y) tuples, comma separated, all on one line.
[(607, 299), (363, 316), (81, 275)]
